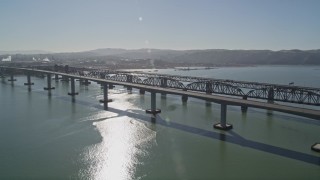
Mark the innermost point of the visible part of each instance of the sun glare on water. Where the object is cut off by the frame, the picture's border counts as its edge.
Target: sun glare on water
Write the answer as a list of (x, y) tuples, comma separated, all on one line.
[(124, 141)]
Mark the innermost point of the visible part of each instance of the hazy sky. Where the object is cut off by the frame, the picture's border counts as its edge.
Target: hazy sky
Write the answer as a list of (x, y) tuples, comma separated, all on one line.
[(76, 25)]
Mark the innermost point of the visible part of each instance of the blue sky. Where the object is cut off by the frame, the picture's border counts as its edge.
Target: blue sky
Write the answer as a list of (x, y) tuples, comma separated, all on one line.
[(76, 25)]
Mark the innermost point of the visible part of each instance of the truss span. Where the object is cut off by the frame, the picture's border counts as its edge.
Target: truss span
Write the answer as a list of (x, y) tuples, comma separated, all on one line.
[(293, 95), (163, 82), (215, 87), (257, 90), (125, 78)]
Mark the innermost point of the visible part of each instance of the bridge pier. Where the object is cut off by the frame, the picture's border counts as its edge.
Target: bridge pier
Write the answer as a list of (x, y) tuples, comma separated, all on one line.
[(2, 73), (223, 121), (29, 83), (12, 78), (129, 89), (111, 86), (184, 98), (56, 77), (48, 83), (244, 108), (73, 89), (153, 109), (208, 87), (40, 75), (270, 94), (86, 82), (80, 81), (142, 91), (129, 80), (105, 99), (3, 79), (56, 69), (208, 91), (65, 79), (163, 84)]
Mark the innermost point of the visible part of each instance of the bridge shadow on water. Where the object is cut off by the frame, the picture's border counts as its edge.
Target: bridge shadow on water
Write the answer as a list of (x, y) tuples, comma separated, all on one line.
[(230, 136)]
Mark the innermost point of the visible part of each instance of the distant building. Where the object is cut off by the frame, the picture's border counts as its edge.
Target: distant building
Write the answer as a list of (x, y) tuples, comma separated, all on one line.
[(8, 59)]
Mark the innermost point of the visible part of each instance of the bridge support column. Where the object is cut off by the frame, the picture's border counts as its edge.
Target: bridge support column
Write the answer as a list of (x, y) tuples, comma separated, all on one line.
[(129, 79), (105, 99), (86, 82), (244, 108), (184, 98), (208, 87), (141, 91), (153, 109), (12, 78), (65, 79), (56, 77), (80, 81), (29, 83), (164, 84), (40, 75), (56, 69), (270, 94), (2, 73), (3, 79), (48, 83), (73, 89), (111, 86), (129, 89), (223, 121), (208, 103)]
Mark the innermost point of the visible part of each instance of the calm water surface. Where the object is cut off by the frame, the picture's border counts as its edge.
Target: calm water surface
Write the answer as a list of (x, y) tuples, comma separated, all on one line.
[(54, 136)]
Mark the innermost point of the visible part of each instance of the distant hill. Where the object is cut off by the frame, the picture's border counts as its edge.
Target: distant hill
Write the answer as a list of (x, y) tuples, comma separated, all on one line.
[(220, 57), (251, 57)]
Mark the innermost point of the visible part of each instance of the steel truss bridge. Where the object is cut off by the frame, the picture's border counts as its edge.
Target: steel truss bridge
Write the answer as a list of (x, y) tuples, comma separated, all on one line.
[(244, 89)]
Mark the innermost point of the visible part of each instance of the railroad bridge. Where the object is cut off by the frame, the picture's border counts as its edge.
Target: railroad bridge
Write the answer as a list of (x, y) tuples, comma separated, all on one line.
[(224, 92)]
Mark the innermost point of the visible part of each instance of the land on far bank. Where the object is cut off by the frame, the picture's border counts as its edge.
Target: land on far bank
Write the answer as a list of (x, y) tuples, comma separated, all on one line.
[(160, 59)]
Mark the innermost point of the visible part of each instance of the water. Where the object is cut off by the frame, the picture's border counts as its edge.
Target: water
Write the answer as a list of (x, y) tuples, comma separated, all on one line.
[(300, 75), (57, 137)]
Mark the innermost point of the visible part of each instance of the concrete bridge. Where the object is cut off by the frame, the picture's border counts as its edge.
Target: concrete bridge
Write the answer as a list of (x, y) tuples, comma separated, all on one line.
[(130, 83)]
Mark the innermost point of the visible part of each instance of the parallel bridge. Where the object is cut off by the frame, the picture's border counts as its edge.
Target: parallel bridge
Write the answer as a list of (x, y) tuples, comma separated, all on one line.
[(244, 89)]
